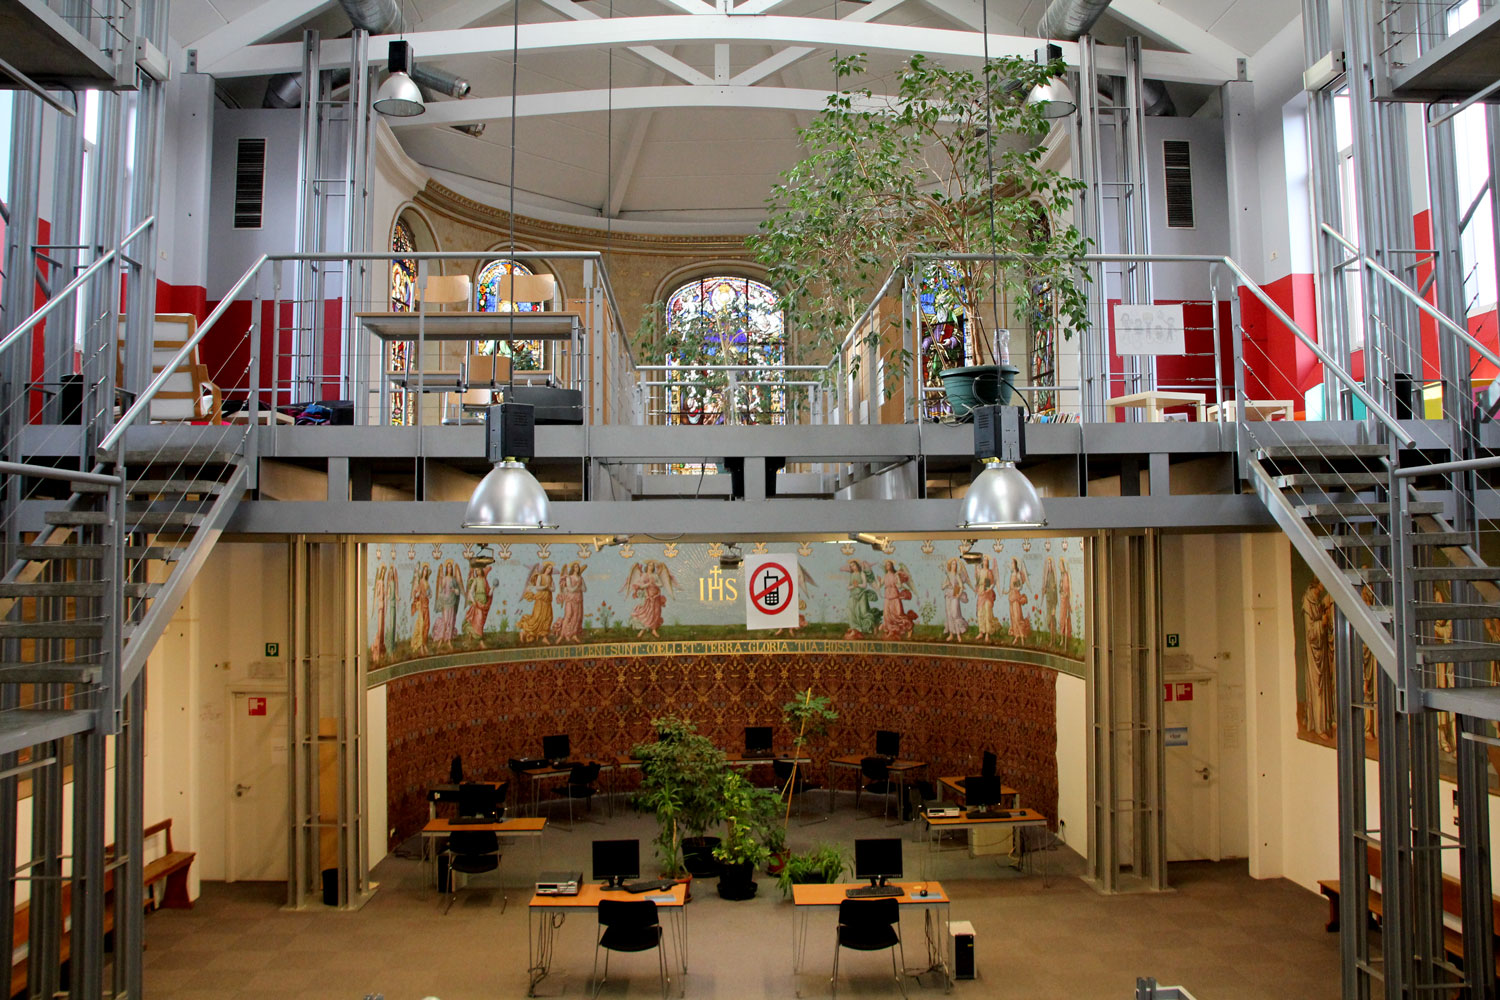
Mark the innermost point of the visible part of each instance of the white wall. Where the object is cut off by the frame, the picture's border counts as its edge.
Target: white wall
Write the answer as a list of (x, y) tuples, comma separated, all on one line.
[(377, 833), (183, 199), (1073, 761), (1210, 232), (234, 250)]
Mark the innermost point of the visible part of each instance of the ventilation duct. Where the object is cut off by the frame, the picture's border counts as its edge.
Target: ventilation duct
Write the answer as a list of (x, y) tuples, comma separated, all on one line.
[(440, 80), (381, 17), (1067, 20), (285, 90)]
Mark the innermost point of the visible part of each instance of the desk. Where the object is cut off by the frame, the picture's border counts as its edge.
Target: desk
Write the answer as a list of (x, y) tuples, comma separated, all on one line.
[(525, 826), (449, 793), (899, 769), (1156, 402), (809, 897), (953, 785), (537, 775), (464, 326), (548, 913), (1021, 817), (1255, 409)]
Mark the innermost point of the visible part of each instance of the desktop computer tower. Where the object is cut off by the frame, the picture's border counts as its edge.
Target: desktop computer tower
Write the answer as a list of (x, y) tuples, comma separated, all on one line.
[(963, 949)]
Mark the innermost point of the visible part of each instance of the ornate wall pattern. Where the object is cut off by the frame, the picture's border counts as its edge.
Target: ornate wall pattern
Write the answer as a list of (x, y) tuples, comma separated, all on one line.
[(948, 708)]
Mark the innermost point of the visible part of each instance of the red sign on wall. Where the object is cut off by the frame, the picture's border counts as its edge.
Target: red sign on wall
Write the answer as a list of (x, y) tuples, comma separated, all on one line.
[(1166, 692), (1182, 691), (257, 706)]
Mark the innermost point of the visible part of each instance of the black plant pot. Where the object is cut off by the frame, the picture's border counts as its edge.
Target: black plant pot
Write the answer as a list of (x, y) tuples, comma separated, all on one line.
[(737, 881), (978, 385), (698, 856)]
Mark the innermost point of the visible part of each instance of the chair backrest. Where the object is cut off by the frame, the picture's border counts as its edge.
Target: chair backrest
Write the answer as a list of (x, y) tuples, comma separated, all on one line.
[(584, 774), (447, 290), (539, 289), (627, 913), (782, 769), (181, 397), (875, 768), (473, 842), (877, 912), (987, 764)]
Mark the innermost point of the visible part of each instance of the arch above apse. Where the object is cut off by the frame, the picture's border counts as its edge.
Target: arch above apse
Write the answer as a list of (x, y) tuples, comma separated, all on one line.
[(734, 266), (422, 233)]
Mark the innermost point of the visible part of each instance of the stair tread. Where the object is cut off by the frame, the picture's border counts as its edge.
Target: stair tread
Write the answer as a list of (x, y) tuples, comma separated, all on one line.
[(1455, 573), (176, 486), (192, 454), (76, 517), (52, 630), (29, 726), (54, 673), (1445, 538), (53, 588), (1367, 508), (1456, 652), (1446, 610), (1355, 541), (1345, 480), (1368, 574), (1328, 451)]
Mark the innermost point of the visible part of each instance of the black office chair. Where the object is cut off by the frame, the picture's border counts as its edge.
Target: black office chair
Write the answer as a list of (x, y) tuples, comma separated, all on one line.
[(471, 852), (917, 802), (580, 785), (521, 780), (870, 925), (875, 779), (628, 925)]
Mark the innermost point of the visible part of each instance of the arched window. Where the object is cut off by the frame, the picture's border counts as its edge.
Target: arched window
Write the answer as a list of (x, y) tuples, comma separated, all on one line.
[(525, 355), (403, 299), (726, 320)]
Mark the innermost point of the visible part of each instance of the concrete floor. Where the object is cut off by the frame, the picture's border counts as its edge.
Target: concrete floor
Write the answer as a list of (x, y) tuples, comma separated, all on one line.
[(1219, 933)]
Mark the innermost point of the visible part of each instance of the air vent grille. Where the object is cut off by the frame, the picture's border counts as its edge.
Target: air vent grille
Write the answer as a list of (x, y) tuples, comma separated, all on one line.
[(250, 184), (1177, 160)]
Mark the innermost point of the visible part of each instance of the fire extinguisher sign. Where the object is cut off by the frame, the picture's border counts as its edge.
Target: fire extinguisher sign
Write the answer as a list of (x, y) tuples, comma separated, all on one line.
[(771, 591)]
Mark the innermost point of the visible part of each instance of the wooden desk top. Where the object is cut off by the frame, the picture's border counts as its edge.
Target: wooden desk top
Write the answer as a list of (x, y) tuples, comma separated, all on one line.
[(549, 771), (1017, 817), (856, 759), (591, 893), (512, 827), (472, 325), (1155, 396), (952, 783), (740, 760), (823, 894)]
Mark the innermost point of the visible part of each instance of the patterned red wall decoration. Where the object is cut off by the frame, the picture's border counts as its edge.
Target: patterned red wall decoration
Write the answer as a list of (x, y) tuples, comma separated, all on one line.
[(949, 709)]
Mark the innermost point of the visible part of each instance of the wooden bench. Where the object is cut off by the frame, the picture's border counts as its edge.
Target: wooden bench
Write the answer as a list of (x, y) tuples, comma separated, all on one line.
[(1453, 940), (171, 868)]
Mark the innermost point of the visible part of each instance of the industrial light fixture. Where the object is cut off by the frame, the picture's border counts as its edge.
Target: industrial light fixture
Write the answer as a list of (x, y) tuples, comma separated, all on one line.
[(1053, 99), (878, 542), (509, 498), (969, 554), (399, 96), (609, 541), (731, 557), (1001, 496)]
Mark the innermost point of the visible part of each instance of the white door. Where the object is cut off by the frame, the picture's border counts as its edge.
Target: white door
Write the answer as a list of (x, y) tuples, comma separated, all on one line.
[(1191, 732), (256, 820)]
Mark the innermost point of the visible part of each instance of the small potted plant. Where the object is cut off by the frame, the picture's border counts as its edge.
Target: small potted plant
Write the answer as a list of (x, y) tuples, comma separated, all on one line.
[(682, 775), (808, 717), (824, 863), (692, 343), (748, 813)]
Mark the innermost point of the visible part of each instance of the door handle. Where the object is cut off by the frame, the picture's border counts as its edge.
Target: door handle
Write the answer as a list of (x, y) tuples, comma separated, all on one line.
[(1203, 773), (240, 790)]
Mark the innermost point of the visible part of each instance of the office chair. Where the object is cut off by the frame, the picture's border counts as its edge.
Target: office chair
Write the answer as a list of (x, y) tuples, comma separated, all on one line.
[(784, 772), (870, 925), (471, 852), (580, 785), (876, 779), (628, 925), (521, 780), (916, 803)]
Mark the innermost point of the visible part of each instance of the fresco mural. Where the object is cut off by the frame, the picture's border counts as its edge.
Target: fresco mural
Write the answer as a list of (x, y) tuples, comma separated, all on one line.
[(438, 599)]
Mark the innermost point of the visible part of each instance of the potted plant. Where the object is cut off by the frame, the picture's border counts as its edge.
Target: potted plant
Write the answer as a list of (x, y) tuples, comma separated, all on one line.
[(949, 163), (824, 863), (682, 776), (748, 813), (808, 717), (692, 342)]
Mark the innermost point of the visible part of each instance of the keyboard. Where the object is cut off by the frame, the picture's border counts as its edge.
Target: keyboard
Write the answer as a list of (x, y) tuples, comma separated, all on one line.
[(651, 886), (471, 820), (873, 891), (562, 762)]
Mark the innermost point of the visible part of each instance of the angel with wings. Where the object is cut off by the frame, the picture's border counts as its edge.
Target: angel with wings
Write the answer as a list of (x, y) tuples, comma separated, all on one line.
[(1020, 626), (649, 581), (895, 590), (537, 624), (864, 602), (955, 594), (984, 599), (804, 580)]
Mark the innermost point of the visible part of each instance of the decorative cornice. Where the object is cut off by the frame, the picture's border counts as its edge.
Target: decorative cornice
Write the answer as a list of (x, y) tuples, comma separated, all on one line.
[(466, 211)]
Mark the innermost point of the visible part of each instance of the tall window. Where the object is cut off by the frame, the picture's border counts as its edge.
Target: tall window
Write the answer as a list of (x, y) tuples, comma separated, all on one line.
[(403, 299), (726, 320), (1354, 294), (525, 355)]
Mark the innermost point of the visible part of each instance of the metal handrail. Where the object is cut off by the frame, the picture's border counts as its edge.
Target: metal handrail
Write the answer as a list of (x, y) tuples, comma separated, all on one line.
[(73, 286), (1374, 408), (1437, 314)]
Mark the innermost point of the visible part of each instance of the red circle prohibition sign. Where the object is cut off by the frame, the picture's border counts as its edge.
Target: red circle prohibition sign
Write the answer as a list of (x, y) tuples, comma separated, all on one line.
[(777, 604)]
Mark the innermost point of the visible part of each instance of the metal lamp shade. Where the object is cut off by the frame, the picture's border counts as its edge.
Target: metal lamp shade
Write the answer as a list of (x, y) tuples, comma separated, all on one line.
[(399, 97), (1054, 99), (1002, 497), (508, 497)]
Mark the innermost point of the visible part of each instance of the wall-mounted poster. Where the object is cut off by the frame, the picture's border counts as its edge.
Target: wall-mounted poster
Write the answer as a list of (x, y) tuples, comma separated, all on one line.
[(435, 599)]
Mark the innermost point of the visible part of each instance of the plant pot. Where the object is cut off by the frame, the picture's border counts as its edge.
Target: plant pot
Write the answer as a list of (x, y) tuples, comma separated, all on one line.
[(777, 862), (737, 881), (698, 856), (685, 880), (978, 385)]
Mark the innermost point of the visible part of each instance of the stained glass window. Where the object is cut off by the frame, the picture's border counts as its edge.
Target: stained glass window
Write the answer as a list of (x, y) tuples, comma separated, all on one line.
[(525, 355), (726, 320), (403, 299)]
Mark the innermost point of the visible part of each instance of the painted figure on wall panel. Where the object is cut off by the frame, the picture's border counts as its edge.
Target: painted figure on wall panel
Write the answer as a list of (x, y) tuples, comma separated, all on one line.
[(465, 597)]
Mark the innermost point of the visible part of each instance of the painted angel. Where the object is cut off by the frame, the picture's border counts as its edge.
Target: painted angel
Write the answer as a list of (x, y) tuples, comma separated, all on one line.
[(648, 581), (536, 625), (864, 602), (955, 594), (895, 591), (804, 580), (984, 599)]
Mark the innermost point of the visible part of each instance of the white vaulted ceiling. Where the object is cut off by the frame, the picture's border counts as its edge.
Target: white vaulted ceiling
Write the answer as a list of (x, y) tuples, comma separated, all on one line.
[(694, 119)]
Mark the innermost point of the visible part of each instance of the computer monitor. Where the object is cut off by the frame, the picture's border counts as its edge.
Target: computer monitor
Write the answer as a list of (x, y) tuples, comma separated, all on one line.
[(987, 764), (981, 790), (617, 860), (477, 799), (887, 743), (758, 740), (878, 859), (556, 747)]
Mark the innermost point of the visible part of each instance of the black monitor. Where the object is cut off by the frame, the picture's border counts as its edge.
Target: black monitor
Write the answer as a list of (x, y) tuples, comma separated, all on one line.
[(987, 764), (758, 739), (887, 743), (477, 799), (878, 859), (556, 747), (981, 790), (617, 860)]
